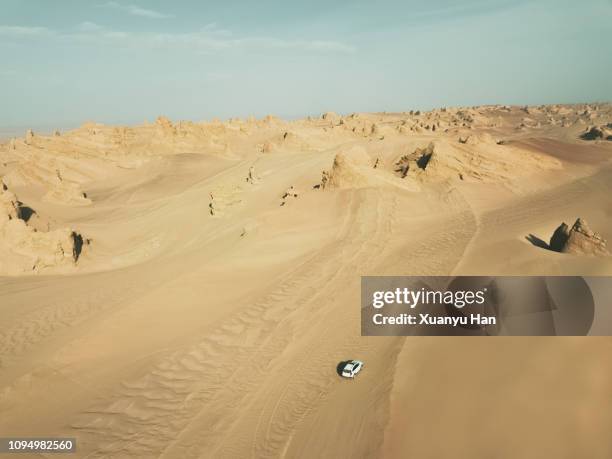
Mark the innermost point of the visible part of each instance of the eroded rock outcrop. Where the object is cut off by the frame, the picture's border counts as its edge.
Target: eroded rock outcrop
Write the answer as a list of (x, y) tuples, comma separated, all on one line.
[(24, 249), (351, 168), (487, 161), (579, 240), (418, 160), (598, 133), (9, 205)]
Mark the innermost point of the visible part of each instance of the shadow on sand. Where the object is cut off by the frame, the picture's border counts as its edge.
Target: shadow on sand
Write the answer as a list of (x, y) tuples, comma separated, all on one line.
[(538, 242)]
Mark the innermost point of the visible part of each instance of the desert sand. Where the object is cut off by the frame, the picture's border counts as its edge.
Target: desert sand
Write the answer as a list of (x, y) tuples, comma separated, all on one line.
[(186, 289)]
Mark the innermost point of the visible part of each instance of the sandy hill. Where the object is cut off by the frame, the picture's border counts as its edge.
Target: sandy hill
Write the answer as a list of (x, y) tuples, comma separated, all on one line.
[(187, 289)]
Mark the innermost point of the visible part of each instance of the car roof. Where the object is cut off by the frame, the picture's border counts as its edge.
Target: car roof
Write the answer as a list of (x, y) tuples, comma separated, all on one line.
[(351, 364)]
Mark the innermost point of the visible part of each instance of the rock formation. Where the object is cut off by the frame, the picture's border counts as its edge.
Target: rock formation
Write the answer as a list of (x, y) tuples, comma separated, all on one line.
[(598, 133), (579, 240), (559, 238), (29, 138), (23, 249), (291, 193), (419, 159), (351, 169), (9, 206), (251, 176)]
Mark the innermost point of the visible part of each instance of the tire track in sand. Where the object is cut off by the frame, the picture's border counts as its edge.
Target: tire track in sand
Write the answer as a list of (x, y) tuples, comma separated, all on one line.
[(189, 401)]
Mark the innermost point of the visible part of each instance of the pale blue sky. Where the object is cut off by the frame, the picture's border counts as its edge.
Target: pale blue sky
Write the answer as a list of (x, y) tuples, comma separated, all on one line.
[(67, 61)]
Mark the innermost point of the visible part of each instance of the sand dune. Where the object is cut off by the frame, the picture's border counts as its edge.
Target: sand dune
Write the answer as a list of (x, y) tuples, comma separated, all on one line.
[(217, 282)]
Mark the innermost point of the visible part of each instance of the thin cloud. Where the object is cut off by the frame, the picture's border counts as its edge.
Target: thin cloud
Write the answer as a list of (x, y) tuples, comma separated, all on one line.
[(135, 10), (208, 39), (214, 29), (207, 42), (311, 45), (89, 27), (23, 31)]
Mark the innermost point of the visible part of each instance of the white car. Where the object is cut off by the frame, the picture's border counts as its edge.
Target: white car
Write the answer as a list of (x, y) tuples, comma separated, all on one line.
[(351, 368)]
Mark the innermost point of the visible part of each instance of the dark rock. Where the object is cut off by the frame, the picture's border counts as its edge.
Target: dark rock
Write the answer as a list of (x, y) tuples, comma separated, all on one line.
[(593, 134), (559, 238), (598, 133)]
